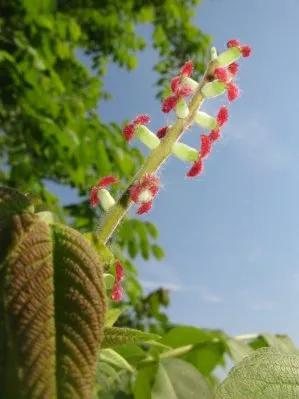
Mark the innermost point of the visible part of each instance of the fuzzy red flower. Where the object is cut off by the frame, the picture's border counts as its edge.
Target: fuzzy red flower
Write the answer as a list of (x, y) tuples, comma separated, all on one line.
[(161, 133), (187, 69), (196, 168), (245, 50), (222, 116), (215, 135), (178, 89), (119, 271), (129, 129), (175, 82), (206, 146), (104, 182), (233, 68), (94, 200), (222, 74), (233, 91), (117, 292), (169, 103), (233, 43), (145, 208), (144, 191)]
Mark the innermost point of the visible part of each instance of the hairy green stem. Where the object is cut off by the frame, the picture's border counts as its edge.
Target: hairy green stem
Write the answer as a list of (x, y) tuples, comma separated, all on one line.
[(156, 158)]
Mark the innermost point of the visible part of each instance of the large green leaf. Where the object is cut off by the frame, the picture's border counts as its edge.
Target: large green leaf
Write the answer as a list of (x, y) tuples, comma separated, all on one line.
[(186, 335), (114, 336), (281, 342), (176, 379), (110, 356), (52, 302), (265, 374)]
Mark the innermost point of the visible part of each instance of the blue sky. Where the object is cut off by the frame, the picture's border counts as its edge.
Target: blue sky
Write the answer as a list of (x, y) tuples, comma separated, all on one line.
[(231, 235)]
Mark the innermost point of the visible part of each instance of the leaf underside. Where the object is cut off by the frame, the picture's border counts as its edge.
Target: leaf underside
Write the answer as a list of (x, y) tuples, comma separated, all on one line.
[(52, 305)]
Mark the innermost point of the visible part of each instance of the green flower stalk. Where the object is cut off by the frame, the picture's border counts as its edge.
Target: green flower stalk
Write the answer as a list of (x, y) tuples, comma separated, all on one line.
[(218, 79)]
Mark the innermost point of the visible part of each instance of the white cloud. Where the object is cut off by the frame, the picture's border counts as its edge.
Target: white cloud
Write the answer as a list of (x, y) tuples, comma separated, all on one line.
[(263, 305)]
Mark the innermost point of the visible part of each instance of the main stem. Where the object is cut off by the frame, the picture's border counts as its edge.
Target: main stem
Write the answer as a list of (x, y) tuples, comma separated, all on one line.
[(156, 158)]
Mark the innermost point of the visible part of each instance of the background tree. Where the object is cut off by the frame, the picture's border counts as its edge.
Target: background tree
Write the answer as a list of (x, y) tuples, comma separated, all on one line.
[(50, 130)]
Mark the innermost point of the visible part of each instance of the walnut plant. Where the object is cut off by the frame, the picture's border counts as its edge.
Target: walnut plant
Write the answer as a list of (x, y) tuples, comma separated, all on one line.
[(53, 280)]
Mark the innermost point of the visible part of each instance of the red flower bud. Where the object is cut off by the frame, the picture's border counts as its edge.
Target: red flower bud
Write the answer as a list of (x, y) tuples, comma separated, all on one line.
[(106, 181), (183, 91), (233, 43), (144, 208), (222, 116), (233, 68), (215, 135), (233, 91), (117, 292), (175, 82), (161, 133), (119, 271), (144, 191), (169, 103), (222, 74), (196, 168), (186, 69), (102, 183), (94, 200), (246, 51), (142, 120), (129, 129), (206, 146)]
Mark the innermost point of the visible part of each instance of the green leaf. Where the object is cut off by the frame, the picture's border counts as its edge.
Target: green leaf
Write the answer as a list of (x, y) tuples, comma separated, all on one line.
[(265, 374), (158, 252), (109, 280), (185, 335), (79, 288), (238, 349), (143, 382), (280, 342), (132, 353), (176, 379), (106, 374), (113, 314), (112, 357), (52, 304), (206, 357), (152, 229), (114, 336)]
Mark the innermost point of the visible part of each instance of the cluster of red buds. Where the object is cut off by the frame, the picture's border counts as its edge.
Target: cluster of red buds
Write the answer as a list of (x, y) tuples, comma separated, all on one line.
[(117, 290), (143, 191), (180, 91)]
